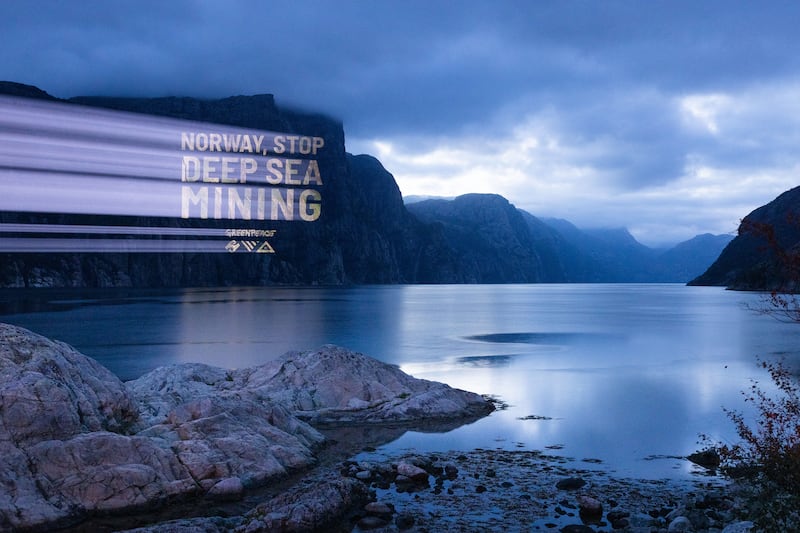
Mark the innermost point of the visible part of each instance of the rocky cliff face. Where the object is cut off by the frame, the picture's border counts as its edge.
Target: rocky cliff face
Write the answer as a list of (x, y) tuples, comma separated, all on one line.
[(489, 239), (748, 262), (365, 234)]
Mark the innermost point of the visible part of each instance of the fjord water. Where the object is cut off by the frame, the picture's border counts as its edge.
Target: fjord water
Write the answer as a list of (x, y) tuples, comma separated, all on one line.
[(625, 374)]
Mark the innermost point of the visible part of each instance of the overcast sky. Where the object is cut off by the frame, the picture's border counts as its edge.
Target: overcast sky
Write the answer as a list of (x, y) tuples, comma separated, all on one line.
[(669, 118)]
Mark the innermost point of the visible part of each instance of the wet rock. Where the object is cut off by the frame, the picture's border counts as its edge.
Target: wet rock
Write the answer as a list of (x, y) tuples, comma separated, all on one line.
[(310, 507), (404, 521), (708, 458), (680, 524), (451, 470), (414, 473), (576, 528), (616, 515), (590, 510), (710, 499), (570, 483), (371, 522), (698, 519), (227, 489), (675, 513), (379, 509), (620, 523), (739, 527), (618, 519)]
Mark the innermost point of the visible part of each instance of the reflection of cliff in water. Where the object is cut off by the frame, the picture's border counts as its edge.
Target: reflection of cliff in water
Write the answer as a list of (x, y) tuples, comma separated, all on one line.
[(345, 441)]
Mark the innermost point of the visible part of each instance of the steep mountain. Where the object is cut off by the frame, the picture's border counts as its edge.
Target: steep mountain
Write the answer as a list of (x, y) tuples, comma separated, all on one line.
[(11, 88), (490, 238), (364, 235), (556, 254), (749, 262)]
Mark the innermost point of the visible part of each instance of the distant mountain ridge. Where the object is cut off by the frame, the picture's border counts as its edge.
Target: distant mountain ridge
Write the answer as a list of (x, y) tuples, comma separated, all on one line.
[(556, 251), (365, 235), (614, 255)]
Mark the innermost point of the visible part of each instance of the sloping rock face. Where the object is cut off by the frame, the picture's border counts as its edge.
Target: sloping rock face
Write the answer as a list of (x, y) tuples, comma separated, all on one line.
[(51, 391), (51, 397), (75, 441), (748, 262), (691, 258), (331, 385), (350, 387), (315, 505), (364, 234), (489, 238)]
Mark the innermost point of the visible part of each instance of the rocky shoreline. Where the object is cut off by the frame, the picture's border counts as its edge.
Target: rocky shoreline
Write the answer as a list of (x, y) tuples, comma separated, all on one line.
[(482, 491), (502, 491), (276, 448), (76, 442)]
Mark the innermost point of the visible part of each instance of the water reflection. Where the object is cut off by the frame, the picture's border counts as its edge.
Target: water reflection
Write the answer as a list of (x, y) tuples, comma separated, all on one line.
[(556, 338), (624, 372), (482, 361)]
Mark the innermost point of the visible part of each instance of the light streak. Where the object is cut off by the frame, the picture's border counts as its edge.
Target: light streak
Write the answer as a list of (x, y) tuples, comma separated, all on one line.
[(69, 159)]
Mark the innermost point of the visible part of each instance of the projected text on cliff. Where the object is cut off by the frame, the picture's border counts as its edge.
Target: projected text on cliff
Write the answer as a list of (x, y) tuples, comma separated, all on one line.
[(62, 158), (192, 183), (258, 186)]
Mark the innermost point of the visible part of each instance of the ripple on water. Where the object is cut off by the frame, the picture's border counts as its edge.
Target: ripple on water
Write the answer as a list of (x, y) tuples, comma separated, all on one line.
[(544, 337)]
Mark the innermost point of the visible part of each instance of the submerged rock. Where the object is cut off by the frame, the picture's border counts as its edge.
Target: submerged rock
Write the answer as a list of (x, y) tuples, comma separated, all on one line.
[(75, 441)]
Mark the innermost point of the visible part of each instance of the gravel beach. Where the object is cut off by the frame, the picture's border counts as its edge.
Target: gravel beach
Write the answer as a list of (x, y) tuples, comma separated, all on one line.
[(503, 491)]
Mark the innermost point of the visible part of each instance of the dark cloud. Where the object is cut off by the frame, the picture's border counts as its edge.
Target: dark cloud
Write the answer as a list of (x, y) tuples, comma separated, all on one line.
[(387, 66), (610, 79)]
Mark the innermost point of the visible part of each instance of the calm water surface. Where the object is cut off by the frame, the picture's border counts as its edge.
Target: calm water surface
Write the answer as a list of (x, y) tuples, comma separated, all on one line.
[(627, 374)]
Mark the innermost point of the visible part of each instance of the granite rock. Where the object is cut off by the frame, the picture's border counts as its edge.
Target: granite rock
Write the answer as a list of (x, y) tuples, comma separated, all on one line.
[(76, 442)]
